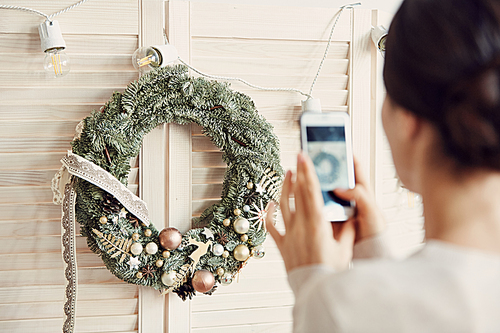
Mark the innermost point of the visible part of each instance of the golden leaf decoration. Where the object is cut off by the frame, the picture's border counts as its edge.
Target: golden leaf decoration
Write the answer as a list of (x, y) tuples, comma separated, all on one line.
[(114, 246)]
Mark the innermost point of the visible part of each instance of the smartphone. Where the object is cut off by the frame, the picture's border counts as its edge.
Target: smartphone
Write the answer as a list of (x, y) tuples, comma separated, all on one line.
[(326, 138)]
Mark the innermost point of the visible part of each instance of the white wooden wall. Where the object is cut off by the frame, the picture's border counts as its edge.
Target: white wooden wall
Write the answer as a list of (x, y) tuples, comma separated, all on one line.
[(37, 122), (181, 171)]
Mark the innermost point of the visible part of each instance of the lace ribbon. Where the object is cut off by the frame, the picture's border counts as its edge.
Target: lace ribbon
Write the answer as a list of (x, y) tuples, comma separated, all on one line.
[(69, 256), (77, 166)]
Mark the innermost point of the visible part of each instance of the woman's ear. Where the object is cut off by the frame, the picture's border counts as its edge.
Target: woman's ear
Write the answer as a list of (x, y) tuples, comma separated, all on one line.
[(411, 125)]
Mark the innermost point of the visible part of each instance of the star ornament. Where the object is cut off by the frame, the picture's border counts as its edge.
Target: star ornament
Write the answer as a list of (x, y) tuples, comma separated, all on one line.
[(134, 262), (208, 233), (123, 213), (259, 189), (260, 215)]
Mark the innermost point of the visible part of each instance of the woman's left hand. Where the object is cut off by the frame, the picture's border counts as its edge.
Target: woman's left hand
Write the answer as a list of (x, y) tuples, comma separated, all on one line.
[(309, 238)]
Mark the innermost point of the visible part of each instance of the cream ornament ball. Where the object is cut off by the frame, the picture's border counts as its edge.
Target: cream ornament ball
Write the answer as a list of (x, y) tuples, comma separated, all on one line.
[(151, 248), (169, 278), (241, 225), (218, 250), (241, 252), (136, 248)]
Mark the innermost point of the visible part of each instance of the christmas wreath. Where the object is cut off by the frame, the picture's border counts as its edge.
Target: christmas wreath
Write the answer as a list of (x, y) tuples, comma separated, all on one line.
[(116, 223)]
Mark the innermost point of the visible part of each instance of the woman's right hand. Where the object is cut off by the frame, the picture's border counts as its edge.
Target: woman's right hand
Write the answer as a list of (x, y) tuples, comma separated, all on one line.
[(368, 217)]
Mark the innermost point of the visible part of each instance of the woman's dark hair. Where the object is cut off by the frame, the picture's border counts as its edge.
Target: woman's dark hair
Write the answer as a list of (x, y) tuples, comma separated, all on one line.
[(442, 63)]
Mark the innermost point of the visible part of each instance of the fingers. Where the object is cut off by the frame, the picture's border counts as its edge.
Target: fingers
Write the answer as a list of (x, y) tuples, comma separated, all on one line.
[(358, 194), (278, 238), (308, 184), (285, 198), (347, 234), (359, 174)]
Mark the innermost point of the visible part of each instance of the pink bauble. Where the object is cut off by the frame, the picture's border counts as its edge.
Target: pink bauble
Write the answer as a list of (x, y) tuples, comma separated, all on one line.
[(203, 281), (170, 238)]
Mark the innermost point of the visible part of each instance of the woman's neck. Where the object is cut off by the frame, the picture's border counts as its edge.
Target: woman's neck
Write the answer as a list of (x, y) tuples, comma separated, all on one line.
[(463, 211)]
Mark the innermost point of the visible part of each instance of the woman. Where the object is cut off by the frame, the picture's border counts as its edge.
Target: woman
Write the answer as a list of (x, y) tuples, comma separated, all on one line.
[(442, 120)]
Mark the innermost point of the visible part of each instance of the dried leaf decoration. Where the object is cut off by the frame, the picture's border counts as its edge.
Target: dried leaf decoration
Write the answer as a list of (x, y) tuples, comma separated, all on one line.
[(113, 245)]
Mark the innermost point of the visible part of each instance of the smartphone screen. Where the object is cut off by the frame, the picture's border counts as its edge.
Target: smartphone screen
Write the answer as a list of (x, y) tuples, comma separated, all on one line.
[(325, 140), (327, 148)]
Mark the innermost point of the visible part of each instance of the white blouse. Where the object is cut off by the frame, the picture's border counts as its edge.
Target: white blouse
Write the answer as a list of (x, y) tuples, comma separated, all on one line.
[(441, 288)]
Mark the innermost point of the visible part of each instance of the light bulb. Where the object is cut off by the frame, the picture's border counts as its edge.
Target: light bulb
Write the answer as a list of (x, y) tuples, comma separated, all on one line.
[(148, 58), (56, 63)]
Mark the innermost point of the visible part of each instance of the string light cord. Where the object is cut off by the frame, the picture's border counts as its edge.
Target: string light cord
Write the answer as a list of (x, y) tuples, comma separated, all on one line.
[(216, 77), (330, 42), (37, 12), (308, 95)]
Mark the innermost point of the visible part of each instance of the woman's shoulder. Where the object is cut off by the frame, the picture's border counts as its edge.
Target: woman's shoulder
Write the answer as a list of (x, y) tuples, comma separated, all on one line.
[(429, 289)]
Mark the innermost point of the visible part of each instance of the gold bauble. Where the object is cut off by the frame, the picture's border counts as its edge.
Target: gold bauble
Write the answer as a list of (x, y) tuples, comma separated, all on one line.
[(249, 185), (237, 212), (225, 254), (147, 232), (220, 271), (135, 236), (139, 275), (159, 263), (244, 238), (166, 254), (241, 252), (203, 280), (226, 222), (103, 219)]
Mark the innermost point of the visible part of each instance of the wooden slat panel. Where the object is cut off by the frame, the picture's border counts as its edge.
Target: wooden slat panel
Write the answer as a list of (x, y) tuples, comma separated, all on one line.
[(207, 192), (62, 95), (253, 300), (242, 317), (90, 18), (54, 276), (40, 310), (233, 67), (266, 22), (34, 293), (79, 62), (279, 327), (47, 110), (39, 244), (37, 261), (86, 324), (18, 228), (265, 48), (208, 175), (44, 177), (18, 130), (29, 211), (93, 44), (101, 78)]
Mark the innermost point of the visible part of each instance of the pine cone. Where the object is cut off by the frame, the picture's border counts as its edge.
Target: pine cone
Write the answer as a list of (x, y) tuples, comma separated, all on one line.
[(186, 290), (110, 204)]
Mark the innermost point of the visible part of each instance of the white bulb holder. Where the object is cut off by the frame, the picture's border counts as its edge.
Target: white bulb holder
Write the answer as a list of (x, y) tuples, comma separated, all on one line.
[(168, 53), (311, 105), (51, 36), (148, 58), (379, 35)]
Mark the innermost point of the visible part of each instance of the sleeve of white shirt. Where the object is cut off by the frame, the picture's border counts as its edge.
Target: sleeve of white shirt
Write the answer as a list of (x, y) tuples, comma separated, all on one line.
[(311, 312)]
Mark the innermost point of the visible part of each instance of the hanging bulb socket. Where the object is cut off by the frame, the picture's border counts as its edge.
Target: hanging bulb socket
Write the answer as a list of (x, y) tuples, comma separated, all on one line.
[(147, 58), (50, 36), (311, 105), (56, 62)]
